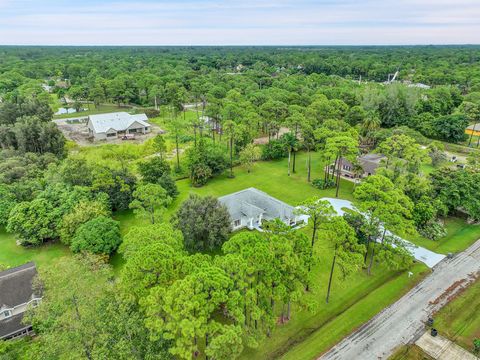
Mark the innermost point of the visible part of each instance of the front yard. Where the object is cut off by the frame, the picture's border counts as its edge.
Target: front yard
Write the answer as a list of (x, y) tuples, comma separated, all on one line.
[(459, 320)]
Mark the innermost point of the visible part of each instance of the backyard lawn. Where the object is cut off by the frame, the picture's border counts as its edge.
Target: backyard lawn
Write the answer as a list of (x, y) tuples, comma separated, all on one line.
[(459, 320), (460, 235), (12, 254)]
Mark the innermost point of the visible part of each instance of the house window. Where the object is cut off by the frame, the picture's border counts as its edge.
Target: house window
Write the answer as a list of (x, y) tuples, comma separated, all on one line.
[(7, 314), (111, 134), (236, 223), (347, 167)]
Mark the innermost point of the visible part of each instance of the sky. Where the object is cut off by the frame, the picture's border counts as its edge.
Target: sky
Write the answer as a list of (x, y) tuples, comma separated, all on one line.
[(242, 22)]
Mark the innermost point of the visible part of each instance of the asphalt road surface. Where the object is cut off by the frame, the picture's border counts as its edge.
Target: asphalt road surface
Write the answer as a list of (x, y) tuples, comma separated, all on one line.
[(404, 321)]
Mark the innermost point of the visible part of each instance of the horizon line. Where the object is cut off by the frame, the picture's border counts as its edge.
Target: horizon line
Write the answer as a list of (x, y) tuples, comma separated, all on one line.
[(238, 45)]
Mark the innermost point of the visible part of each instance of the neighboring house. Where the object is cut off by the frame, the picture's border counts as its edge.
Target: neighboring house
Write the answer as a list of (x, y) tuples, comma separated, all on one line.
[(249, 207), (114, 125), (16, 296), (473, 129), (368, 163), (211, 124), (419, 86)]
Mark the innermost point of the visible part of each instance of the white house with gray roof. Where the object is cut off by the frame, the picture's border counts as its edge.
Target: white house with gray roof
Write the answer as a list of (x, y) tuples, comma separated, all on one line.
[(249, 207), (16, 296), (118, 124)]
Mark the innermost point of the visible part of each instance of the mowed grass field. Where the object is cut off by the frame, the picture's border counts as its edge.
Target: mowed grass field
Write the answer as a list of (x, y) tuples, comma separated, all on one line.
[(12, 254), (409, 352), (459, 320), (460, 235)]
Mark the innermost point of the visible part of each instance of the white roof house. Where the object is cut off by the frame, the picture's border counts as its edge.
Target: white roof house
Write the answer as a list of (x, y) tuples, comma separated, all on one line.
[(249, 207), (112, 125)]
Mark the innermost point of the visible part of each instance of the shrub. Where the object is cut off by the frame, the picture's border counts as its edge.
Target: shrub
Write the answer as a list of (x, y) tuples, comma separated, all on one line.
[(275, 149), (167, 182), (476, 346), (204, 161), (199, 174), (34, 222), (433, 230), (83, 212), (153, 169), (152, 113), (204, 222), (322, 184), (98, 236)]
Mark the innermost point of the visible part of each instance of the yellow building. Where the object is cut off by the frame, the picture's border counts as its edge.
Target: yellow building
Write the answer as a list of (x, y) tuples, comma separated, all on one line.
[(473, 129)]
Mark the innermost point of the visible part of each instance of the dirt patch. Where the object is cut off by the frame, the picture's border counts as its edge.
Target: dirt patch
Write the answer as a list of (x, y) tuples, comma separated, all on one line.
[(75, 129), (264, 140)]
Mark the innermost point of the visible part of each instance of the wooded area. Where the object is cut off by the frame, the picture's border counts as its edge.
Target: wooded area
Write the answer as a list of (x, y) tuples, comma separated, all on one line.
[(187, 286)]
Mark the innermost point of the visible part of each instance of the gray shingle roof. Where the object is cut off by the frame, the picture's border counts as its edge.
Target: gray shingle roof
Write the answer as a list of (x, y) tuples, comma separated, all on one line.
[(117, 121), (16, 285), (252, 202), (15, 289), (369, 162), (11, 325)]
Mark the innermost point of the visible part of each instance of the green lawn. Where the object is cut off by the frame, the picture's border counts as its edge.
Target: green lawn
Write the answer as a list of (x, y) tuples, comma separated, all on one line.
[(460, 236), (409, 352), (459, 320), (354, 301), (12, 254), (270, 177)]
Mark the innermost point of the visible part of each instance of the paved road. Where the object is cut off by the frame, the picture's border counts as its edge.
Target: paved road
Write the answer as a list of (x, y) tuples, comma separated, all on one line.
[(403, 321), (426, 256)]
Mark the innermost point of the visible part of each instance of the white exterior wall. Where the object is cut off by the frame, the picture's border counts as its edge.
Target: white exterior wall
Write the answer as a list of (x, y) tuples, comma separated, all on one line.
[(18, 309)]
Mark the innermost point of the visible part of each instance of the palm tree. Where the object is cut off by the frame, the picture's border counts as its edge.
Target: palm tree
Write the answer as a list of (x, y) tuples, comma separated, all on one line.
[(371, 123), (229, 127), (291, 144)]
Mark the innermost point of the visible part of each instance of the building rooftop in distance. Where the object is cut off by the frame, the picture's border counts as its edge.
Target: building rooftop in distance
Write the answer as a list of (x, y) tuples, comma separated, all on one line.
[(117, 121)]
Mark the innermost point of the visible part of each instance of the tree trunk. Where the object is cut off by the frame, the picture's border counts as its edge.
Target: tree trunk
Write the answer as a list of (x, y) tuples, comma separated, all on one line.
[(178, 155), (206, 345), (152, 215), (338, 177), (326, 172), (293, 165), (289, 156), (334, 168), (371, 260), (366, 252), (314, 233), (288, 310), (231, 156), (309, 165), (331, 273)]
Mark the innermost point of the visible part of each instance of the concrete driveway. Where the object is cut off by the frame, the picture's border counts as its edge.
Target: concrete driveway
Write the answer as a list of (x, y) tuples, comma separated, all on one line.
[(404, 321), (426, 256)]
